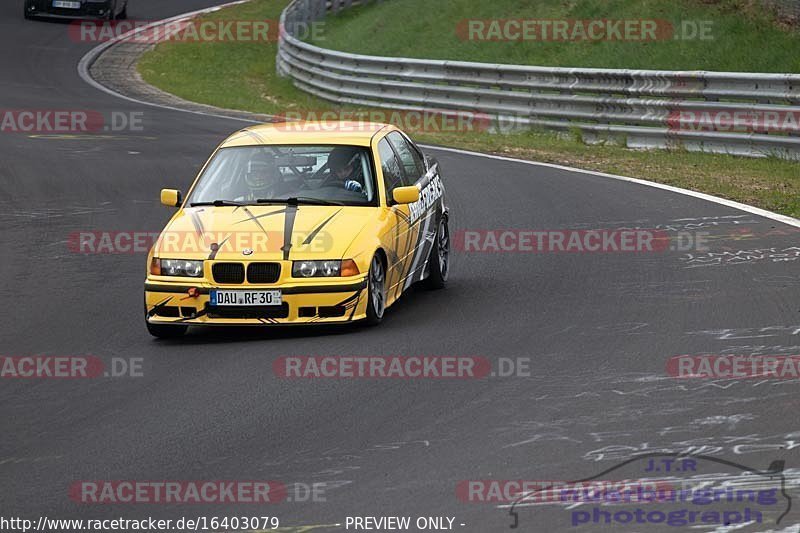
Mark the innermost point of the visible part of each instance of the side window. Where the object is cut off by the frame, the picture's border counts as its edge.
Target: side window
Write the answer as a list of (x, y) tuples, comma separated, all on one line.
[(409, 157), (392, 173)]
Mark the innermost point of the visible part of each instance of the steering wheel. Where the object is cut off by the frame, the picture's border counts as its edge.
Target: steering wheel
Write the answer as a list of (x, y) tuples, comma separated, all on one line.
[(328, 181), (306, 185)]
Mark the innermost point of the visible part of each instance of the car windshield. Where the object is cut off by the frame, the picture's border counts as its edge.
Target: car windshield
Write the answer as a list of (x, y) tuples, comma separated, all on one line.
[(336, 175)]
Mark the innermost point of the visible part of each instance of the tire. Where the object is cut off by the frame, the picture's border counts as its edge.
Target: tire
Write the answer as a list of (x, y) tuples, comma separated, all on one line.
[(25, 11), (166, 331), (376, 291), (439, 261), (123, 15)]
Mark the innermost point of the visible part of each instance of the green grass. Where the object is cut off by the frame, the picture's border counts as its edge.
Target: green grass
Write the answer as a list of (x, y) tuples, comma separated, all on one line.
[(233, 75), (745, 37), (242, 76)]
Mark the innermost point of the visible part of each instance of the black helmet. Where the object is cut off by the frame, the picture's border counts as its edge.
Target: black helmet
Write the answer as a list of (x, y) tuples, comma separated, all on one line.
[(262, 173), (340, 157)]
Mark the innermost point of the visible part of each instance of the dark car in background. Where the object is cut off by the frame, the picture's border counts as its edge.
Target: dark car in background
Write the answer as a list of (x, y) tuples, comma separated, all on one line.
[(77, 9)]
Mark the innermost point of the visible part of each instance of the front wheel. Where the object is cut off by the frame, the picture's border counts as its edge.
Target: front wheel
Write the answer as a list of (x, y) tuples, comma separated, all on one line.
[(376, 291), (439, 262), (166, 331)]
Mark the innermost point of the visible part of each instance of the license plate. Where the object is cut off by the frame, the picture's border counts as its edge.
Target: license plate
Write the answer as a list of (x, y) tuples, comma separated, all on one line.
[(223, 298), (67, 5)]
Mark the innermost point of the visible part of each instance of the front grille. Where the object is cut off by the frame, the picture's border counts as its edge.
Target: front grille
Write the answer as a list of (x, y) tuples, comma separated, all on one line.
[(272, 311), (188, 312), (307, 312), (263, 272), (167, 311), (332, 311), (231, 273)]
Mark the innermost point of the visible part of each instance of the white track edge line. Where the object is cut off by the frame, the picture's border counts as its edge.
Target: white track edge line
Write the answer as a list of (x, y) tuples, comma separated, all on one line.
[(702, 196), (89, 58)]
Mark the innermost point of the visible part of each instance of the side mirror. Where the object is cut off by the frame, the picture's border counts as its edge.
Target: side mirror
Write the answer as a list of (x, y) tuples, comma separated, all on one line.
[(406, 195), (171, 197)]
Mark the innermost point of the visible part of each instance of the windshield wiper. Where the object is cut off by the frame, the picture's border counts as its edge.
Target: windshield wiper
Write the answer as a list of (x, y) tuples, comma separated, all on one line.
[(218, 203), (298, 200), (270, 201)]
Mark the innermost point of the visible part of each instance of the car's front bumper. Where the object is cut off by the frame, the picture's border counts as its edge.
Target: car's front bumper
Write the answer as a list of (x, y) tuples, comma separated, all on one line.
[(322, 303)]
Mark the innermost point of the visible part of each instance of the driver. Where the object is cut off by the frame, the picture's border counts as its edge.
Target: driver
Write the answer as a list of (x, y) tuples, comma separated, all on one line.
[(261, 177), (345, 165)]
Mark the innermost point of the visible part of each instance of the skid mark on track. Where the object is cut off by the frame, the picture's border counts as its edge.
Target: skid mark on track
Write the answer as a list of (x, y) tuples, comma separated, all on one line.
[(730, 420), (47, 213), (662, 289), (740, 257), (760, 349), (86, 137), (29, 460), (675, 224), (748, 333), (795, 528), (780, 281), (717, 445), (711, 481)]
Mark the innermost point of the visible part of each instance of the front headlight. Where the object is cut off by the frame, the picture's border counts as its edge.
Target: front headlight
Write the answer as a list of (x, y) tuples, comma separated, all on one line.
[(324, 269), (316, 269), (181, 267)]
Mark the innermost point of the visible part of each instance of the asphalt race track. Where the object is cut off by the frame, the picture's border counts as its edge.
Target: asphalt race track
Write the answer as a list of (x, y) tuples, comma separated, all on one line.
[(598, 329)]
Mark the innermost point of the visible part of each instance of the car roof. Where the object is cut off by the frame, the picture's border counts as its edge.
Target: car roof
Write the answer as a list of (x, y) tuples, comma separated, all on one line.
[(324, 132)]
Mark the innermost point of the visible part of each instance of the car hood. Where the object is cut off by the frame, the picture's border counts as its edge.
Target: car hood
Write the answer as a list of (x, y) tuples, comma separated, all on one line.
[(268, 232)]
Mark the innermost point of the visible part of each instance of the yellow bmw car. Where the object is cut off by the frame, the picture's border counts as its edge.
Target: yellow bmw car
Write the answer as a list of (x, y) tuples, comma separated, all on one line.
[(299, 223)]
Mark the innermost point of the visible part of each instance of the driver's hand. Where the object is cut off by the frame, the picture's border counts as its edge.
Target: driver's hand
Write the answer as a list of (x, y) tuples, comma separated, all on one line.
[(354, 186)]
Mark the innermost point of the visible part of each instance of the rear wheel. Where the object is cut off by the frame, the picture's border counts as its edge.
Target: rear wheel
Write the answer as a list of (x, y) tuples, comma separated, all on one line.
[(439, 262), (376, 291), (166, 331), (124, 13), (25, 8)]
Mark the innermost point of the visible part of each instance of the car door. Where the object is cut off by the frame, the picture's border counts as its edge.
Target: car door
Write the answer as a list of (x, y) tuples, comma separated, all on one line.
[(399, 239), (425, 214)]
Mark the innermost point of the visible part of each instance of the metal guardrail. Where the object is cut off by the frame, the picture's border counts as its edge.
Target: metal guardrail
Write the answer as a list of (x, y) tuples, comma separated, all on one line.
[(694, 110), (786, 8)]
